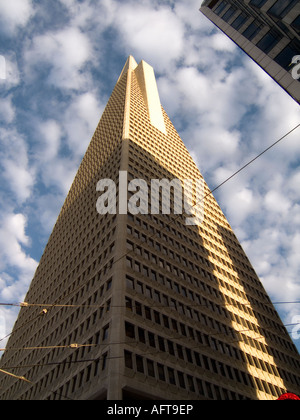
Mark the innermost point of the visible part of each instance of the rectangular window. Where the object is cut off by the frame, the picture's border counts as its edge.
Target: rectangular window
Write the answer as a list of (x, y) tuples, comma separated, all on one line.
[(151, 339), (139, 364), (229, 13), (221, 7), (148, 313), (142, 337), (258, 3), (150, 368), (138, 308), (108, 284), (296, 24), (139, 287), (191, 383), (239, 21), (128, 303), (181, 379), (161, 344), (171, 347), (268, 42), (104, 361), (148, 292), (128, 359), (281, 8), (166, 321), (129, 330), (171, 374), (161, 372), (105, 333), (251, 31), (212, 4)]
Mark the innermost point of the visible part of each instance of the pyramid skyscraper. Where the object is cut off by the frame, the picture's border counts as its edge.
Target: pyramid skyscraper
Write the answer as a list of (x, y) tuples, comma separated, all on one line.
[(135, 299)]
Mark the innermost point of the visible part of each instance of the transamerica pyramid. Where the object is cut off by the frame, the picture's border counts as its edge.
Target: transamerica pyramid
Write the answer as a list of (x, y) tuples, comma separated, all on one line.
[(134, 299)]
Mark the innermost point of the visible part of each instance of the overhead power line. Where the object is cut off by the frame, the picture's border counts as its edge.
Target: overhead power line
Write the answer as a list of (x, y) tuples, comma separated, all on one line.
[(54, 305), (21, 378), (253, 160)]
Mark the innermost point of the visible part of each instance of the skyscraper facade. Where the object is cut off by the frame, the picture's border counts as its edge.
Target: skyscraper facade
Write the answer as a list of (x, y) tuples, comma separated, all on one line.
[(268, 31), (131, 301)]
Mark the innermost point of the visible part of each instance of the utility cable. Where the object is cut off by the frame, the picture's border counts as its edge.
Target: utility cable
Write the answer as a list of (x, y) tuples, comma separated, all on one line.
[(15, 376), (45, 305), (42, 313), (71, 346)]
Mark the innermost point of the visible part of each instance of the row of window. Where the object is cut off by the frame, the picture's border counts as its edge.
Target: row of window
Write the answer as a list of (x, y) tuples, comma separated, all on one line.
[(81, 379), (162, 300), (178, 378), (66, 364), (279, 9), (141, 160), (68, 297), (178, 329), (193, 296), (74, 257), (195, 358), (66, 329), (273, 37), (164, 231), (65, 290)]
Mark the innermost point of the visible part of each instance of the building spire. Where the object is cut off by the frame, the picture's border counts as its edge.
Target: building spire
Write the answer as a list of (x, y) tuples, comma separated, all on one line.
[(130, 64), (147, 83)]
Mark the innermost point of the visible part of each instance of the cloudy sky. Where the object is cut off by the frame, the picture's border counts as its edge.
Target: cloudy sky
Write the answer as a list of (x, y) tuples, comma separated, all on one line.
[(63, 58)]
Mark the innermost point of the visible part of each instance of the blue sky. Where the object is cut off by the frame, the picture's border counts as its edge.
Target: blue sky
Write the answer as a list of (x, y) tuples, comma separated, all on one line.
[(63, 58)]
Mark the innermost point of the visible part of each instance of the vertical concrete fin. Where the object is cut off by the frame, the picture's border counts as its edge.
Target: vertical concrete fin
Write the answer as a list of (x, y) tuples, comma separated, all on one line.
[(147, 82), (130, 64)]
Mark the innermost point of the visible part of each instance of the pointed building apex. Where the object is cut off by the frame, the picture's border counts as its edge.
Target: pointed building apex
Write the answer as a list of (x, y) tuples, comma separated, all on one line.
[(147, 82), (131, 64)]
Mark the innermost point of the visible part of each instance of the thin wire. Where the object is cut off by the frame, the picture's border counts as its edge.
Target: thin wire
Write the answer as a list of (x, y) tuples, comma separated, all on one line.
[(21, 378), (156, 351), (151, 306), (71, 346), (24, 324), (45, 305), (254, 159), (168, 337)]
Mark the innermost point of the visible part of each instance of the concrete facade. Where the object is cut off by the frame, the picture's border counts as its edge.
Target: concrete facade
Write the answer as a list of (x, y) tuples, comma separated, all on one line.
[(267, 30), (158, 309)]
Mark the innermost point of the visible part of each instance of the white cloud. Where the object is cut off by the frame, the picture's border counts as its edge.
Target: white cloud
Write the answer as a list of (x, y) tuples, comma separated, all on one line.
[(12, 237), (60, 173), (12, 76), (65, 52), (14, 14), (7, 110), (81, 120), (50, 135), (151, 34), (276, 201), (14, 160), (220, 42)]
